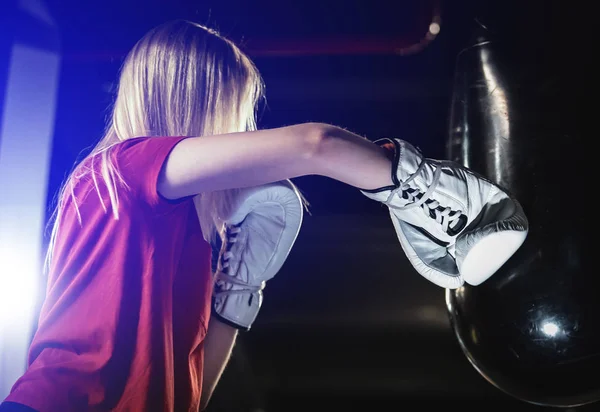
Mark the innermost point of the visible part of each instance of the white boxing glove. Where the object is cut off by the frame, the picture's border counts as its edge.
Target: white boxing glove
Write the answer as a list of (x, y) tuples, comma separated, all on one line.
[(256, 239), (454, 225)]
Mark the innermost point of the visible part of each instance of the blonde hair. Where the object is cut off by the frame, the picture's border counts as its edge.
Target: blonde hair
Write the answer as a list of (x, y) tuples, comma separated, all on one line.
[(180, 79)]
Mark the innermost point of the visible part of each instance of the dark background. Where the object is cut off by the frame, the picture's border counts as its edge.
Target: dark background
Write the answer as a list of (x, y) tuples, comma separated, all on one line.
[(347, 324)]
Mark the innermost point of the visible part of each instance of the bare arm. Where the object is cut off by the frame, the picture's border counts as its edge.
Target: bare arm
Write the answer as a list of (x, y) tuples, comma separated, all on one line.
[(218, 344), (245, 159), (254, 158)]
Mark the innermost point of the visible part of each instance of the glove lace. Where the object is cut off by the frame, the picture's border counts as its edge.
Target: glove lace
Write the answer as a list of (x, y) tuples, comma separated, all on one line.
[(222, 276), (452, 221)]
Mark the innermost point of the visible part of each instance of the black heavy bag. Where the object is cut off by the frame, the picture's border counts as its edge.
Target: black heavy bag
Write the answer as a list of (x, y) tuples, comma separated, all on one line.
[(533, 329)]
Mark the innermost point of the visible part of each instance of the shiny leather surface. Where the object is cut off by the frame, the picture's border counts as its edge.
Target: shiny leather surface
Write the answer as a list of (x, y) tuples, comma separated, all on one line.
[(533, 329)]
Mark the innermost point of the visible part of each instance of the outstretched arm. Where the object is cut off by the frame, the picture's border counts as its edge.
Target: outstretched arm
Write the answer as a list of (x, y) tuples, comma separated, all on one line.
[(255, 158), (248, 159)]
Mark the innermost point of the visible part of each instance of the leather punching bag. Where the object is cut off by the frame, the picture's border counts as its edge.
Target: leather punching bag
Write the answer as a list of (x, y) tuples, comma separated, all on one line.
[(533, 329)]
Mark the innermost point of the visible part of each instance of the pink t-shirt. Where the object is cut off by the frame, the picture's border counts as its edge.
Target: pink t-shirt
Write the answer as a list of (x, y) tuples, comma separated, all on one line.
[(128, 301)]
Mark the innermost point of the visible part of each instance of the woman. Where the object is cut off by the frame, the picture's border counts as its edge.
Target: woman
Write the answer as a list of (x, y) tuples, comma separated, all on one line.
[(126, 324)]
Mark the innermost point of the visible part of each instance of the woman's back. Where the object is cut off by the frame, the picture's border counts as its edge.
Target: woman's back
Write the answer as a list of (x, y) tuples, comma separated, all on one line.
[(127, 304)]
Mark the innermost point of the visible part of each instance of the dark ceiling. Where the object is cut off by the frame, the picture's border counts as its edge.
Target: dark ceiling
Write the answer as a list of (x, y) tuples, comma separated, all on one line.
[(347, 324)]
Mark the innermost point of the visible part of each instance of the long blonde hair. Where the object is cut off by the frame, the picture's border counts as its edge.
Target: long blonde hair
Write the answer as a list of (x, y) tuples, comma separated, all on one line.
[(180, 79)]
